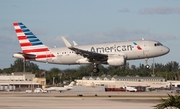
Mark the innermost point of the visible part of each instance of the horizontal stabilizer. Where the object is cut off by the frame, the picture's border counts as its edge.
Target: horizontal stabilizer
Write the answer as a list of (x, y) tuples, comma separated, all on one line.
[(22, 55)]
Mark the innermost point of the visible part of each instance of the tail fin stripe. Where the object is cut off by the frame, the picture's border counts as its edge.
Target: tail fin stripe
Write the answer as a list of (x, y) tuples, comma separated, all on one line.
[(15, 24), (22, 37), (28, 33), (25, 44), (20, 23), (20, 34), (36, 43), (22, 26), (24, 41), (26, 30), (22, 30), (19, 31), (35, 50), (30, 44), (33, 47), (34, 40), (31, 36)]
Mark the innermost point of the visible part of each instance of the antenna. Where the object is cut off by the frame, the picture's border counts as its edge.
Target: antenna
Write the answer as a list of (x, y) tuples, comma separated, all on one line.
[(142, 38)]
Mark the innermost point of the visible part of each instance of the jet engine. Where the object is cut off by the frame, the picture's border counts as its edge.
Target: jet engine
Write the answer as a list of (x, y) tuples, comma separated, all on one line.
[(116, 60)]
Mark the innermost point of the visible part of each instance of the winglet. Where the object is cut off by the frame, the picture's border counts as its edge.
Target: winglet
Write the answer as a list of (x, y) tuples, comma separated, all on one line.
[(75, 44), (66, 43)]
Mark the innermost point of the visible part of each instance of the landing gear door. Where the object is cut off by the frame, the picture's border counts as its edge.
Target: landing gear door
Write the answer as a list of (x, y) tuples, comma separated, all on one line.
[(145, 48)]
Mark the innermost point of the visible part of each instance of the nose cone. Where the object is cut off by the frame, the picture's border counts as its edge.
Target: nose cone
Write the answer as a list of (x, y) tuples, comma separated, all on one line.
[(166, 50)]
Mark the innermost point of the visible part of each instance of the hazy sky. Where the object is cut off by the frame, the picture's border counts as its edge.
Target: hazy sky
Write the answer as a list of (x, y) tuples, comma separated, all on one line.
[(91, 21)]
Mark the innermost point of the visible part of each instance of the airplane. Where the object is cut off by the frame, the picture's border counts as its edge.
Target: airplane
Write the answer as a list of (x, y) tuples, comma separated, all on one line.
[(130, 89), (113, 54), (61, 89)]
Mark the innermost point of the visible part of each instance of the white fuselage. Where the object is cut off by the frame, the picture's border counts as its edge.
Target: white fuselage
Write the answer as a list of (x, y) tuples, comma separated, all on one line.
[(59, 88), (131, 50), (130, 89)]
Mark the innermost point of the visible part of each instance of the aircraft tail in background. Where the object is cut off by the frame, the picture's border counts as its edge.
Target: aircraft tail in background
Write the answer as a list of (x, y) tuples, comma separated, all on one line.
[(71, 84)]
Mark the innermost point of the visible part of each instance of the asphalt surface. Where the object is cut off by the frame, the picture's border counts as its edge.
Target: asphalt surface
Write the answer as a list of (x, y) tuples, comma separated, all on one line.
[(80, 100)]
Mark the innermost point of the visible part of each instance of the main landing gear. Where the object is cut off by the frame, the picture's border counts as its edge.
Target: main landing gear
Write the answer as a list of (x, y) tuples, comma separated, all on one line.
[(95, 68)]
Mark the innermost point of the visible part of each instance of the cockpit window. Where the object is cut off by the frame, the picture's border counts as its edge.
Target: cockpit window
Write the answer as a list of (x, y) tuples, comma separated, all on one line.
[(158, 44)]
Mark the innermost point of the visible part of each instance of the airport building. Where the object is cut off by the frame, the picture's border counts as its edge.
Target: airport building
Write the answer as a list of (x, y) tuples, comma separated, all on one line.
[(19, 81), (116, 82)]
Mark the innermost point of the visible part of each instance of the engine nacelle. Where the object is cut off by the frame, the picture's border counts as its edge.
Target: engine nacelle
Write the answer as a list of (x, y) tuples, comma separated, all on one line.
[(82, 61), (116, 61)]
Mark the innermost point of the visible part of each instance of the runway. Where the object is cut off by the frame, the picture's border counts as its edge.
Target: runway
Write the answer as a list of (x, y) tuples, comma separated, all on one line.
[(88, 100)]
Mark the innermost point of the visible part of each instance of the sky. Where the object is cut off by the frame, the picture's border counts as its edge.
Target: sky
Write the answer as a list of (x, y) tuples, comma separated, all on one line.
[(89, 22)]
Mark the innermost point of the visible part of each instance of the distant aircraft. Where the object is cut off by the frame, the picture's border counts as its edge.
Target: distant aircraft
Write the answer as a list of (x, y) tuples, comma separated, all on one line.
[(130, 89), (113, 54), (61, 89)]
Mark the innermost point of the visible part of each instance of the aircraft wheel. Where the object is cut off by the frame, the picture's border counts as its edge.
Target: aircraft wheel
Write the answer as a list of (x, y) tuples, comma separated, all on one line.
[(147, 66), (95, 70)]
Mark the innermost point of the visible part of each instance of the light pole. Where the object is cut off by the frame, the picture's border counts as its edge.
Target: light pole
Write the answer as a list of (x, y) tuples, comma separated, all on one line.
[(24, 66), (53, 80), (32, 83), (13, 81), (153, 68)]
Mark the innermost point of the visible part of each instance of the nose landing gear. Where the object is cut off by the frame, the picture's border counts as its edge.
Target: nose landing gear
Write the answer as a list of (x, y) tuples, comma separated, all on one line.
[(146, 61)]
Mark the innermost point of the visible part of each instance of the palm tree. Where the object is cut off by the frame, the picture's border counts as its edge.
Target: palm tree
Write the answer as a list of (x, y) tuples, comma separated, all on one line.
[(172, 101)]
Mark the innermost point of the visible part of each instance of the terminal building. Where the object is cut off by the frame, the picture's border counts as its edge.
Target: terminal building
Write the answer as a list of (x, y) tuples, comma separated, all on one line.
[(116, 82), (19, 81)]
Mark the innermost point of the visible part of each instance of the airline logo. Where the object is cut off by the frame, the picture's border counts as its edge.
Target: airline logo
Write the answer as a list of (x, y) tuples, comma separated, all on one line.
[(138, 47), (29, 43), (113, 48)]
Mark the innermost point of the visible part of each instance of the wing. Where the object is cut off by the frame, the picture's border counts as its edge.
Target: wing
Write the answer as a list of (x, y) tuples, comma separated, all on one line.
[(92, 56)]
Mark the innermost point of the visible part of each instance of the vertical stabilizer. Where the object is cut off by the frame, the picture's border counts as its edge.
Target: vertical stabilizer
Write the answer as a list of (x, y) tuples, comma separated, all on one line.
[(29, 43), (32, 47), (71, 84)]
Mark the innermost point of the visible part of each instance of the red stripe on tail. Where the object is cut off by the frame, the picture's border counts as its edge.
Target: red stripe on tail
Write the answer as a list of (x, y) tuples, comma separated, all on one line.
[(22, 37), (36, 50), (19, 30), (25, 44), (15, 24)]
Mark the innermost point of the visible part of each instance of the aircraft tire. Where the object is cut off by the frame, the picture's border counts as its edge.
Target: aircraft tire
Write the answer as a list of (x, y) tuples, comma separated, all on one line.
[(147, 66), (95, 70)]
